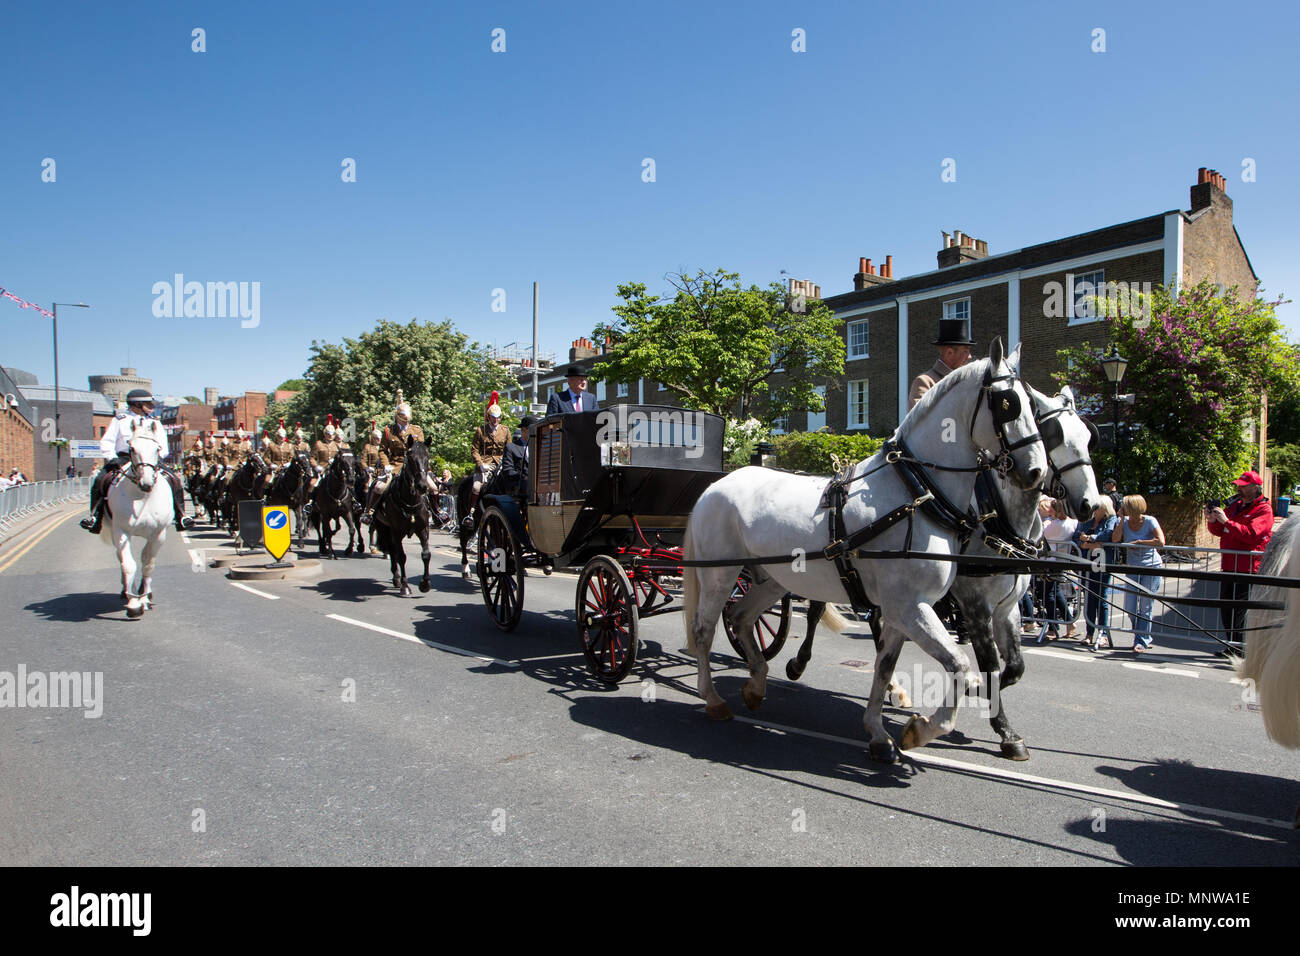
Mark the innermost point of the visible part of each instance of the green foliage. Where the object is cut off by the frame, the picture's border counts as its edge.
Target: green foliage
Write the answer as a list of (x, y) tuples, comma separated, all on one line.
[(442, 374), (1199, 361), (741, 439), (193, 400), (1285, 462), (721, 346), (291, 385), (811, 451)]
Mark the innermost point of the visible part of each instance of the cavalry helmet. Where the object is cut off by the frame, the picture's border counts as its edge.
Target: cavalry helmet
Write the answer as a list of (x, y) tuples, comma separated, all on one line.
[(402, 413), (280, 432), (329, 426)]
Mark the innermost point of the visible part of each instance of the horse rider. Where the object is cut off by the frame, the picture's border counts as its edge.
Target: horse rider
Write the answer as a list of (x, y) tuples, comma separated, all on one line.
[(514, 463), (300, 446), (244, 445), (369, 460), (278, 452), (116, 441), (954, 344), (487, 449), (392, 453), (575, 398), (323, 452)]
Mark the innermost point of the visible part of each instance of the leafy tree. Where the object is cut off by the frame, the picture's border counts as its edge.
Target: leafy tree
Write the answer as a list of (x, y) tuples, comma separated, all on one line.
[(193, 400), (1199, 361), (291, 385), (1285, 462), (722, 347), (441, 373)]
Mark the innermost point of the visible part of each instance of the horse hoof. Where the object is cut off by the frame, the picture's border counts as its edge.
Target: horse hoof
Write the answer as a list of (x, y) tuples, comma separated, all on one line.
[(718, 711), (912, 733), (1015, 750), (424, 587), (793, 669), (883, 751), (753, 700)]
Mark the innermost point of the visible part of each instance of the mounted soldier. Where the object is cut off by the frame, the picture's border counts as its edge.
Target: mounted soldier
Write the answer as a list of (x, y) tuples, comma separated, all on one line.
[(300, 446), (369, 459), (489, 445), (323, 452), (276, 451), (116, 446), (243, 445), (392, 452)]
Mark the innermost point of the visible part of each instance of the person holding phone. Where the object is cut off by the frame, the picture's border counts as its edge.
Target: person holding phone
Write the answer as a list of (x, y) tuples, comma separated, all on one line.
[(1245, 523)]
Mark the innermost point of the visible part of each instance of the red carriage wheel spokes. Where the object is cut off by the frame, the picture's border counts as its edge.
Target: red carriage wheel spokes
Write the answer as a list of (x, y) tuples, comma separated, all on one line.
[(608, 618), (500, 569), (770, 630)]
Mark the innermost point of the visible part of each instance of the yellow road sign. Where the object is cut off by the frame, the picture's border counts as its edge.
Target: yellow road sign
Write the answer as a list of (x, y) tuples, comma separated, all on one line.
[(275, 530)]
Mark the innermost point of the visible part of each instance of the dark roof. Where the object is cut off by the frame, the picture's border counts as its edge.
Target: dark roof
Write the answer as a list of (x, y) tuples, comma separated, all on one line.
[(1071, 247)]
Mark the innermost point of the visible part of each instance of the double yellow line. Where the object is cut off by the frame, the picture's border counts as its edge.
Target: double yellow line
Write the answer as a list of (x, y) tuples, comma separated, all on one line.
[(33, 541)]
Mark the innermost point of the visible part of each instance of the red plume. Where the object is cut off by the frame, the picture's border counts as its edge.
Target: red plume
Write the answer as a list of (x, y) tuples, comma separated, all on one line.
[(496, 398)]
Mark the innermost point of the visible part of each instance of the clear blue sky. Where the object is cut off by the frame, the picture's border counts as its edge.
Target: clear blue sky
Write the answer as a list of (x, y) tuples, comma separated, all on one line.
[(479, 171)]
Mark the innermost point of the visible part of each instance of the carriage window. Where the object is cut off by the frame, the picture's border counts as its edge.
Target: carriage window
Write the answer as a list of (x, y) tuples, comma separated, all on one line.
[(858, 341), (858, 403)]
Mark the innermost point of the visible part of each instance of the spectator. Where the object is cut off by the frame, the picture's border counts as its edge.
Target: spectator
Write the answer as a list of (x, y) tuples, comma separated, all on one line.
[(72, 471), (1111, 491), (1144, 534), (1246, 525), (1090, 537), (1058, 529), (5, 482)]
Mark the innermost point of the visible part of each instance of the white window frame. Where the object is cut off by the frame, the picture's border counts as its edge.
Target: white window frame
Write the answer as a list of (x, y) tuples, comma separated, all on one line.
[(600, 391), (851, 425), (866, 340), (953, 313), (621, 390), (1073, 278), (812, 425)]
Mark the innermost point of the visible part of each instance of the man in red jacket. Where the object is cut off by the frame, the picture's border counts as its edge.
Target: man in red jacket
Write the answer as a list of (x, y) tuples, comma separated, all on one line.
[(1246, 525)]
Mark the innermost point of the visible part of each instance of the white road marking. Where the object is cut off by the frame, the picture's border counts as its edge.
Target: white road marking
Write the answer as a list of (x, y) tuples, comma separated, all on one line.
[(185, 537), (245, 587), (1159, 670), (1060, 655), (946, 763), (419, 640)]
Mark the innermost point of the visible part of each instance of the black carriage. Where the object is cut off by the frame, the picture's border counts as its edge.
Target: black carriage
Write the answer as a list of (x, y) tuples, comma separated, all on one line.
[(609, 492)]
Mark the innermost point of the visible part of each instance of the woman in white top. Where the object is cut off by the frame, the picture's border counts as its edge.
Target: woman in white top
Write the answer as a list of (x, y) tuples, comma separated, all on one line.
[(1058, 529)]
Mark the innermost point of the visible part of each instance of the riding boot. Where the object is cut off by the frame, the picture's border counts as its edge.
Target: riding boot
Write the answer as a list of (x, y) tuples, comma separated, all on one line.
[(467, 522), (183, 521), (98, 498)]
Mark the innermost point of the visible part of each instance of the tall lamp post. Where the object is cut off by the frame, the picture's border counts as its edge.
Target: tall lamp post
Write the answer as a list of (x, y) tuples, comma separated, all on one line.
[(1115, 365), (58, 449)]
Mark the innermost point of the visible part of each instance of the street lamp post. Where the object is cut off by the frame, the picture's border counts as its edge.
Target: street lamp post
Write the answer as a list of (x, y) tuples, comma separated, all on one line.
[(58, 449), (1115, 365)]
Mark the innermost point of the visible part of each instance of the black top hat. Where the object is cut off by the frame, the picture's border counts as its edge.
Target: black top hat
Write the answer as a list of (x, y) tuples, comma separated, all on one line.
[(528, 421), (954, 332), (574, 371), (137, 396)]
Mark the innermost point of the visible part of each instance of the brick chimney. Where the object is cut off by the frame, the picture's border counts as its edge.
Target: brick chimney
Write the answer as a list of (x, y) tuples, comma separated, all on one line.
[(959, 248), (867, 275), (1210, 190), (806, 288), (582, 349)]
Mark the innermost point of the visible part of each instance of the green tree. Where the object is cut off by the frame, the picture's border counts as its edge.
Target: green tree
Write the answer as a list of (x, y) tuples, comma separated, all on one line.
[(290, 385), (1199, 362), (1285, 462), (441, 373), (193, 400), (722, 347)]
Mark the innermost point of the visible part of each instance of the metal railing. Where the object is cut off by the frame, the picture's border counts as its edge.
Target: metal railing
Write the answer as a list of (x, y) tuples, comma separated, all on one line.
[(21, 502), (1175, 619)]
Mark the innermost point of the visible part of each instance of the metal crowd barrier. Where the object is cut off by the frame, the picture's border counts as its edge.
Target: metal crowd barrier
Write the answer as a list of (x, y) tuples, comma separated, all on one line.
[(21, 502), (1184, 613)]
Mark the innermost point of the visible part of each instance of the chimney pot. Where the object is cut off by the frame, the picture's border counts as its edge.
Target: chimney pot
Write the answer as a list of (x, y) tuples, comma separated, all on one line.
[(862, 264), (1201, 175), (889, 267), (867, 266)]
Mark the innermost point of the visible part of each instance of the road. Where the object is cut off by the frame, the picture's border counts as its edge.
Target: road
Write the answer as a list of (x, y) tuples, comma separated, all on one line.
[(329, 721)]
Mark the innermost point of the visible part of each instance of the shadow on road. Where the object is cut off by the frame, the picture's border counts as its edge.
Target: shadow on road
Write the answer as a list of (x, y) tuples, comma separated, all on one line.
[(77, 608)]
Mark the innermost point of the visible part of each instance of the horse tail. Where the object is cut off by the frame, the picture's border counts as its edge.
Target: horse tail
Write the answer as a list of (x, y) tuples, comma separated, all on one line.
[(690, 588), (834, 620), (1272, 660)]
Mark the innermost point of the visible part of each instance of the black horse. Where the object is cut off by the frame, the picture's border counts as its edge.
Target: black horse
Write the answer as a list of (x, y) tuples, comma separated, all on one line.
[(242, 487), (360, 488), (403, 509), (290, 490), (332, 500)]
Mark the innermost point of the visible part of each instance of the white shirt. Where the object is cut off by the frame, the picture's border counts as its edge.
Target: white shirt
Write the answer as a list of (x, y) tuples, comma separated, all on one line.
[(116, 440), (1059, 531)]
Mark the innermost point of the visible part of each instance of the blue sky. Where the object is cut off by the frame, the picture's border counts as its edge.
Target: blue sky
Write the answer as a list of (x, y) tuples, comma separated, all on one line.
[(479, 170)]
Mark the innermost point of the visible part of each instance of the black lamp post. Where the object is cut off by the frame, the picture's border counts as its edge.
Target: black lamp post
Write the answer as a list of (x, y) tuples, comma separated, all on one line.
[(1115, 365)]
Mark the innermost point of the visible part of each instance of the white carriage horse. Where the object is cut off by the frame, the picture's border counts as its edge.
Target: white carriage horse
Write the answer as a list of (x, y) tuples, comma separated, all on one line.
[(975, 418), (140, 502)]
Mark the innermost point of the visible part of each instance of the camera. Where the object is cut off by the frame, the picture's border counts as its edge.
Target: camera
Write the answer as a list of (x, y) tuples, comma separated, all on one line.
[(1213, 503)]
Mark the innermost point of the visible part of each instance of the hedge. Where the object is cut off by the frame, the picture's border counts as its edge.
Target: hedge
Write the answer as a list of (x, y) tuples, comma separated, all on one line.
[(811, 451)]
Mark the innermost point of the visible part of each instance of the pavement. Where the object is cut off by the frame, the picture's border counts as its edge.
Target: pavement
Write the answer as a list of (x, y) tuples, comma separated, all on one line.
[(330, 721)]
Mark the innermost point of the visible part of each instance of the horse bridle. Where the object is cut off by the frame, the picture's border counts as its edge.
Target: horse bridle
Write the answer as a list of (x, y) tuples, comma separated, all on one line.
[(258, 464), (132, 473), (345, 480), (418, 485), (1053, 432), (1004, 407)]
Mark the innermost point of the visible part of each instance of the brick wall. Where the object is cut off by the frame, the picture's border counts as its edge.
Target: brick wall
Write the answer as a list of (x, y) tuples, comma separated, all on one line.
[(1211, 248), (988, 313), (880, 369), (15, 443), (1042, 335)]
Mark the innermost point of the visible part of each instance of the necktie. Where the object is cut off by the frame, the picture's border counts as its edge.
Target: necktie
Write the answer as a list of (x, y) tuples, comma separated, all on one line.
[(577, 402)]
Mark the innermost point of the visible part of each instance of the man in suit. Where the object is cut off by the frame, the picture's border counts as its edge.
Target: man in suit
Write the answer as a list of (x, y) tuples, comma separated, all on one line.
[(575, 398), (514, 464), (954, 344)]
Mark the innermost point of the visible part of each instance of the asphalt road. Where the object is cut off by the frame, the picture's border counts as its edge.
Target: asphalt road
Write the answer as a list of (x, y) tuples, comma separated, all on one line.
[(330, 721)]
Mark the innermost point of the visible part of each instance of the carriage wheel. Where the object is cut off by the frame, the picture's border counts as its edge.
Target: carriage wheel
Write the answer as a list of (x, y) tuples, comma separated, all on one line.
[(607, 619), (770, 630), (500, 570), (648, 592)]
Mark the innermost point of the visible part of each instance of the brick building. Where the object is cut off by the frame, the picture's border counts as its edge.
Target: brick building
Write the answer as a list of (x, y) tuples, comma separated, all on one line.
[(248, 408), (1035, 295), (184, 422), (17, 427)]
